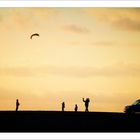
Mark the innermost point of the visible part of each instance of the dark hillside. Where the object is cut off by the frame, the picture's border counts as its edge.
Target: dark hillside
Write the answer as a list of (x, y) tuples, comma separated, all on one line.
[(55, 121)]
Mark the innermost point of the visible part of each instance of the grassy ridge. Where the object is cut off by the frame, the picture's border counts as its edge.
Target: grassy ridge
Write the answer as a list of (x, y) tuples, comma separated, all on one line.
[(55, 121)]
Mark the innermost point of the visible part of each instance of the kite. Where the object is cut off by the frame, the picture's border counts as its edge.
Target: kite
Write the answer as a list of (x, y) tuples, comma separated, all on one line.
[(35, 34)]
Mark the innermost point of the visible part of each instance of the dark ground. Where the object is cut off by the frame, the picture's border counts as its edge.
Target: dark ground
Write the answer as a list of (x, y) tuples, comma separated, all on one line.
[(55, 121)]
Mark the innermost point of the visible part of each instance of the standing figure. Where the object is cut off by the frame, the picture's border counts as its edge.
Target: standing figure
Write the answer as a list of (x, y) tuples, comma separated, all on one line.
[(86, 104), (76, 108), (63, 106), (17, 104)]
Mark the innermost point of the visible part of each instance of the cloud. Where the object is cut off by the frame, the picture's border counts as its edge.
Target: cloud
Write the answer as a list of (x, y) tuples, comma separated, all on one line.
[(24, 17), (10, 93), (119, 69), (76, 29), (74, 43), (103, 43), (127, 24), (125, 19), (17, 71)]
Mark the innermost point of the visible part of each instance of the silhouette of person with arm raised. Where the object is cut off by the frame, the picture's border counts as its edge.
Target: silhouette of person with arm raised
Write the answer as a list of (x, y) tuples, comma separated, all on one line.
[(86, 104), (76, 108), (63, 106), (17, 104)]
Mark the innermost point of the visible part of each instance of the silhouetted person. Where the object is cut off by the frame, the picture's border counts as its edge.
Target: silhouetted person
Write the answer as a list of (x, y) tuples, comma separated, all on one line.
[(86, 104), (17, 104), (76, 108), (63, 106)]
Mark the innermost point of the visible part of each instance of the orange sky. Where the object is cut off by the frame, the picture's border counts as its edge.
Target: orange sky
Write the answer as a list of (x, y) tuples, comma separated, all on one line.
[(81, 52)]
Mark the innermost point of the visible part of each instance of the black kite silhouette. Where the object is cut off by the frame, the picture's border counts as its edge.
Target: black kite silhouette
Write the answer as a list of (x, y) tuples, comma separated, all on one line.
[(35, 34)]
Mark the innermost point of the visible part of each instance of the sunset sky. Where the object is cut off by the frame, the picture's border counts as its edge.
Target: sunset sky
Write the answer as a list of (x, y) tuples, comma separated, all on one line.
[(81, 52)]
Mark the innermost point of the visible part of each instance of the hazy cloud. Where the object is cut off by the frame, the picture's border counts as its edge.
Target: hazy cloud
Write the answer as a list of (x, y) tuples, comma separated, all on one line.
[(127, 19), (127, 24), (76, 29), (102, 97), (103, 43), (24, 17), (17, 71), (74, 43), (120, 69), (9, 93)]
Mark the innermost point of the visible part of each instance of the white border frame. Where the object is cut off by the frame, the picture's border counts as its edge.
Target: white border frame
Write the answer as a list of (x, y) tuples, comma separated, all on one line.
[(69, 136), (56, 3)]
